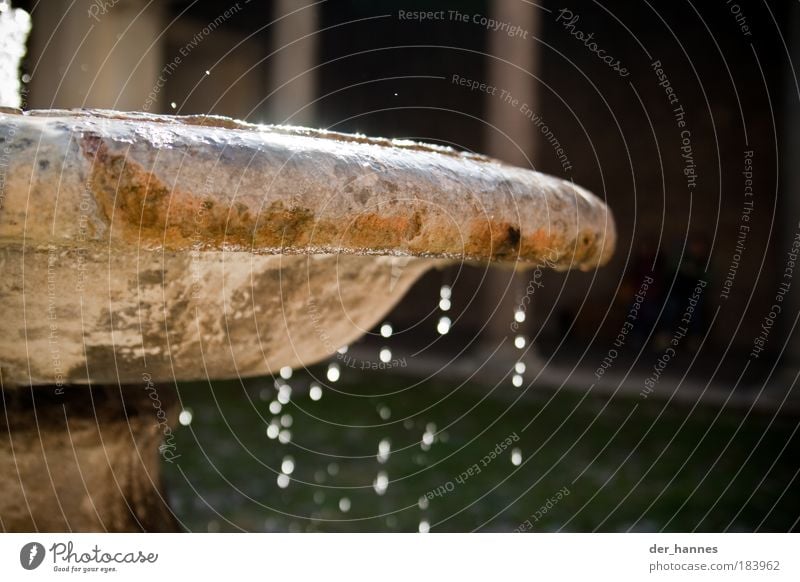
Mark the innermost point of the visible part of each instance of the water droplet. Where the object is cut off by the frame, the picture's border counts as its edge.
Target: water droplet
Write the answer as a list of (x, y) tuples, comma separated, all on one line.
[(384, 450), (519, 316), (285, 436), (315, 392), (333, 373), (284, 394), (286, 420), (344, 505), (445, 292), (283, 481), (333, 469), (519, 342), (384, 412), (424, 526), (444, 304), (275, 407), (516, 457), (381, 483), (519, 367), (423, 502), (287, 465), (385, 355), (208, 72), (272, 431), (443, 326), (26, 78), (516, 380), (286, 372), (173, 105), (342, 350), (386, 330), (185, 417), (427, 439)]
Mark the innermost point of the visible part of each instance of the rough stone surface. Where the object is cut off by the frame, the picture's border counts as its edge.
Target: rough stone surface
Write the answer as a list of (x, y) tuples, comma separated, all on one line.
[(194, 247)]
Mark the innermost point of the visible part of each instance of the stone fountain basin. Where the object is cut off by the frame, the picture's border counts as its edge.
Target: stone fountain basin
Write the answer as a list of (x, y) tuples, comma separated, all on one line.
[(152, 247)]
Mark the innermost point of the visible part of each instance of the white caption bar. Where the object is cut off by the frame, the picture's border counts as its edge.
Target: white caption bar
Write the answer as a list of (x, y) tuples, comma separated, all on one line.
[(388, 557)]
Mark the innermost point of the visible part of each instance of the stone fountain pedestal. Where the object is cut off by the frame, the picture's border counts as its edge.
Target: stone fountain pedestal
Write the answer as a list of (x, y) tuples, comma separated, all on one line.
[(141, 250)]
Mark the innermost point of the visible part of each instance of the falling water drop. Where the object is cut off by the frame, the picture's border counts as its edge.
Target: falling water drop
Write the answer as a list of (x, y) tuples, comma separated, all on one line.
[(519, 367), (381, 483), (173, 105), (516, 380), (444, 304), (519, 316), (287, 465), (424, 526), (185, 417), (516, 457), (445, 292), (385, 355), (286, 420), (283, 481), (333, 469), (342, 350), (423, 502), (273, 430), (285, 437), (386, 330), (275, 407), (443, 326), (284, 393), (384, 450), (315, 392), (286, 372), (344, 505), (519, 342), (333, 372), (384, 412)]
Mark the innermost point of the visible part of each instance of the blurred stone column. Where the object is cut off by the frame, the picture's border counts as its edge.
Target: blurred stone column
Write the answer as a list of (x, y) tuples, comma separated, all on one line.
[(87, 53), (294, 55), (512, 63)]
